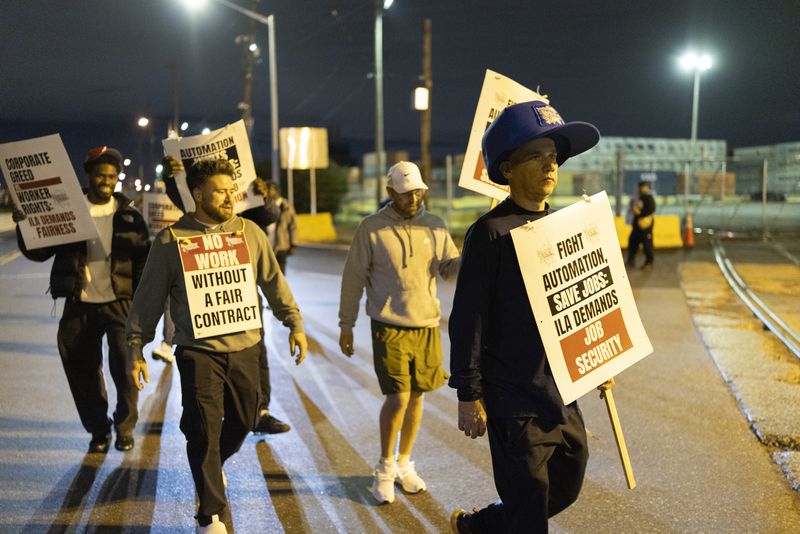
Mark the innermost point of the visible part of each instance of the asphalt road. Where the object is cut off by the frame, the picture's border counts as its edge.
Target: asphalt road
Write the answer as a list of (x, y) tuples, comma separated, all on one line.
[(698, 465)]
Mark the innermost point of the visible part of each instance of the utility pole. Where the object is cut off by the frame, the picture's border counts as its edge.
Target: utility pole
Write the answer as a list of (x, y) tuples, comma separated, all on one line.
[(425, 125), (248, 40), (175, 127)]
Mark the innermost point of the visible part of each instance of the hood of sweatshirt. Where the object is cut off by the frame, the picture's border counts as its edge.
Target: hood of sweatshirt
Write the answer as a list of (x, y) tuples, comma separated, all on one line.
[(403, 232), (189, 222)]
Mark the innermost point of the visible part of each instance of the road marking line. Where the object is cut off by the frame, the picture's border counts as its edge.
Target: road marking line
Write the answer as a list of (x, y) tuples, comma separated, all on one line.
[(11, 256)]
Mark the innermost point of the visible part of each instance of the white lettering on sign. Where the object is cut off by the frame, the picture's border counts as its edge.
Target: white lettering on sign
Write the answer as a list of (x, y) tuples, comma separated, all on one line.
[(212, 260)]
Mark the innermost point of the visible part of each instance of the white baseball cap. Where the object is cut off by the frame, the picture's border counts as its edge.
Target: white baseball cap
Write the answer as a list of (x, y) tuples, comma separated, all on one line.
[(404, 177)]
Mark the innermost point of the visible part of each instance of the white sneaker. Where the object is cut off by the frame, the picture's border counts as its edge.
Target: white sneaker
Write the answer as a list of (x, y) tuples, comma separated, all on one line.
[(408, 478), (383, 483), (164, 353), (215, 527)]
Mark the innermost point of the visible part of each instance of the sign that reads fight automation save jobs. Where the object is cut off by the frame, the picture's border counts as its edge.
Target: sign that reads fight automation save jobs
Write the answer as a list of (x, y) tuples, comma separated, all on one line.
[(220, 285), (43, 185), (580, 295)]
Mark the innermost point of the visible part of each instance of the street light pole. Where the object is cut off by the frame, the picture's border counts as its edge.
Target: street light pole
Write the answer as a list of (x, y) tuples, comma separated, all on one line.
[(696, 64), (695, 106), (269, 21), (273, 101), (379, 154)]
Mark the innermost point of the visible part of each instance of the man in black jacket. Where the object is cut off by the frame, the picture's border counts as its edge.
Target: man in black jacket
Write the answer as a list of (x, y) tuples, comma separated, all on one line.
[(497, 358), (98, 278), (642, 231)]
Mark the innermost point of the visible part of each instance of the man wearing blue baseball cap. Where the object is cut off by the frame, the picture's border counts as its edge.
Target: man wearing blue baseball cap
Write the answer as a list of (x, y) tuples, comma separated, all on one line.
[(497, 359)]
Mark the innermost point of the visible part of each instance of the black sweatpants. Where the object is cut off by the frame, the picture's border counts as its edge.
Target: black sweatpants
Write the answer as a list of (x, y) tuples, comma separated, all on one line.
[(80, 344), (640, 237), (220, 403), (263, 378), (538, 472)]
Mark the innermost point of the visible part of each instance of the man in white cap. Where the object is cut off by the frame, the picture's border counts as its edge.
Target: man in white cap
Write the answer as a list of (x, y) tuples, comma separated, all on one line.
[(396, 254)]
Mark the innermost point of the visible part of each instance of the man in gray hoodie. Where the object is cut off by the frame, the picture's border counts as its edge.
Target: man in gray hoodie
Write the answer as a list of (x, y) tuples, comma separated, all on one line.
[(396, 254), (208, 264)]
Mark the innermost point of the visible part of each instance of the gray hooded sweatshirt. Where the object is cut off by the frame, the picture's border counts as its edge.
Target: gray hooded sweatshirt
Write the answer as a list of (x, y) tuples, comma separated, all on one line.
[(163, 278), (397, 260)]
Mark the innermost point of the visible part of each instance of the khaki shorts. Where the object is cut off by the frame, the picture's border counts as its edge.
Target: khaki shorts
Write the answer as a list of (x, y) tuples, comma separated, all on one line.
[(407, 359)]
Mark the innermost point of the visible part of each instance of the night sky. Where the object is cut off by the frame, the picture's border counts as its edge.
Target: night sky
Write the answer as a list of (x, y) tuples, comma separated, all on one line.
[(90, 69)]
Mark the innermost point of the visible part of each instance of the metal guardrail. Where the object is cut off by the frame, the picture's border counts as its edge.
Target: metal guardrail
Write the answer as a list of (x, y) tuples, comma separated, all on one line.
[(770, 321)]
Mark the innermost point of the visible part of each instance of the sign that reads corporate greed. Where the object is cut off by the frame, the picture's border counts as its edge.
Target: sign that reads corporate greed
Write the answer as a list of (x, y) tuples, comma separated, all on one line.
[(497, 93), (159, 212), (580, 295), (43, 185), (229, 143), (220, 287)]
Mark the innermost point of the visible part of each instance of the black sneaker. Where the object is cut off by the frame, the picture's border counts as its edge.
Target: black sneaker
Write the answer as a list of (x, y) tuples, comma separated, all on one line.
[(100, 443), (268, 424), (123, 443), (459, 521)]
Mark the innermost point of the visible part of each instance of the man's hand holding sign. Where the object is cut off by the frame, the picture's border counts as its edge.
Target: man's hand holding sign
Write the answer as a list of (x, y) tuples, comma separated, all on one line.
[(542, 314)]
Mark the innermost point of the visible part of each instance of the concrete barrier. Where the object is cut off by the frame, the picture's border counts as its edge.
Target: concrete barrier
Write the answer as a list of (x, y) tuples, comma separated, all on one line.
[(315, 228), (666, 232), (6, 223)]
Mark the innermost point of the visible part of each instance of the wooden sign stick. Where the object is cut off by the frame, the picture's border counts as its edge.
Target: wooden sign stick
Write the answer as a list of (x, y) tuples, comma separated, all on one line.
[(608, 396)]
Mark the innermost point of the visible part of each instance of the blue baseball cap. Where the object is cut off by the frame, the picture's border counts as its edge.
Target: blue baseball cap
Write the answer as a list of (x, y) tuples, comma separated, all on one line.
[(521, 123)]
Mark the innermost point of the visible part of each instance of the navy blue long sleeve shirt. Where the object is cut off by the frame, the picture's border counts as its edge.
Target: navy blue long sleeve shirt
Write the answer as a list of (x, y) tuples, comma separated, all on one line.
[(496, 352)]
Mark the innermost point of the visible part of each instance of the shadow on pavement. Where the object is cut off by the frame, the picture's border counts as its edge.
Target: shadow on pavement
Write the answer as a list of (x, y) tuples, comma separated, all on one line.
[(73, 500), (127, 498), (344, 458)]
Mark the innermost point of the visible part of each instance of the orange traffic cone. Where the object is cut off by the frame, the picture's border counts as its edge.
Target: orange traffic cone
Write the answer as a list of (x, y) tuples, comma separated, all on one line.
[(688, 232)]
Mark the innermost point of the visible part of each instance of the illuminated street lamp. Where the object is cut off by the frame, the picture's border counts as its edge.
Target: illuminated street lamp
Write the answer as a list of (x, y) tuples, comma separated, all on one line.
[(269, 21), (205, 131), (143, 122), (692, 62), (421, 98), (184, 126)]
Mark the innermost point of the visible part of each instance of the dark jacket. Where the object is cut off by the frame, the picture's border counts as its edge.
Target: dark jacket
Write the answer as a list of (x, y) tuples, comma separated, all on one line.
[(129, 248), (496, 352)]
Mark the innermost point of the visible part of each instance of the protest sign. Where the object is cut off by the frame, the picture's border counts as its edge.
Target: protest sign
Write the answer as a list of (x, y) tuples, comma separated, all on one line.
[(580, 295), (220, 285), (159, 212), (230, 143), (43, 184), (497, 93)]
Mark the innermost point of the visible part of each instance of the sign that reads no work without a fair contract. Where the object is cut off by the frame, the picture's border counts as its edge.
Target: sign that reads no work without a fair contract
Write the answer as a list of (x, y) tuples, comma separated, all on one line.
[(580, 295), (497, 93), (43, 185), (219, 281), (229, 143)]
